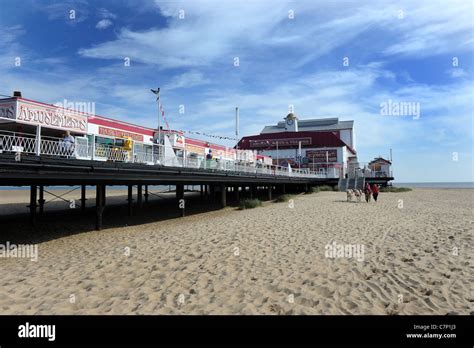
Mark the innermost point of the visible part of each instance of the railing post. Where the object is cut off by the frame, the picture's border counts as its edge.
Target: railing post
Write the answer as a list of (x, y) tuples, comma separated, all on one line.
[(38, 141), (93, 148)]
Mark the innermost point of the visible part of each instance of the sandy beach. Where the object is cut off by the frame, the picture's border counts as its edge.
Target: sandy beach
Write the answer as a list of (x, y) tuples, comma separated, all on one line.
[(417, 258)]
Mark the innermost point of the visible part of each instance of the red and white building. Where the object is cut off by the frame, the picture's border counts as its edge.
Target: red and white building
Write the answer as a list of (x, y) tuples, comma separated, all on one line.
[(34, 127), (324, 145)]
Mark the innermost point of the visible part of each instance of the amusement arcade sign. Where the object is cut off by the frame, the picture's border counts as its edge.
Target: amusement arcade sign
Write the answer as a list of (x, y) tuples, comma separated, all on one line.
[(44, 115)]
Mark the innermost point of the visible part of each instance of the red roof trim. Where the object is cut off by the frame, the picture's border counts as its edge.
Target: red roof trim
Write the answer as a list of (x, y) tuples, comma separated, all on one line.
[(126, 127), (203, 143), (318, 139)]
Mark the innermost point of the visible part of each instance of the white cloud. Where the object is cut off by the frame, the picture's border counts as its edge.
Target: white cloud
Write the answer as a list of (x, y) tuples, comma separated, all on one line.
[(10, 34), (103, 24), (78, 9), (456, 72), (187, 80), (104, 13), (217, 32), (430, 28)]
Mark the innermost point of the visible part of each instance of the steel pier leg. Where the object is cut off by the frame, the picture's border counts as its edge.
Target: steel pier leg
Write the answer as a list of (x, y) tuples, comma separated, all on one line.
[(130, 200), (83, 198), (32, 206), (180, 198), (139, 195), (223, 196), (99, 206), (41, 199)]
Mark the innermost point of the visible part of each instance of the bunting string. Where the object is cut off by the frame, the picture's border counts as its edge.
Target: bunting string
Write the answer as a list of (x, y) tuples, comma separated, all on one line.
[(162, 111), (221, 137)]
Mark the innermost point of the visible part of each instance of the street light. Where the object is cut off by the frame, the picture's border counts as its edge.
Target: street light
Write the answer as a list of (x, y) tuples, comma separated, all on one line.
[(157, 92)]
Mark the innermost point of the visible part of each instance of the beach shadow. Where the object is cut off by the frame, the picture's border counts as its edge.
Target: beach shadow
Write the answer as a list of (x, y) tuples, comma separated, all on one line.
[(54, 224)]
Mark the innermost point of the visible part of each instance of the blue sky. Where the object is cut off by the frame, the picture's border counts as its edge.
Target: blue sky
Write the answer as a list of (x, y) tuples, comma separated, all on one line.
[(401, 51)]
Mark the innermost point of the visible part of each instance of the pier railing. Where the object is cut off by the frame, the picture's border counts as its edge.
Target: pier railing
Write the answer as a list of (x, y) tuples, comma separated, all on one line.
[(81, 148), (364, 170)]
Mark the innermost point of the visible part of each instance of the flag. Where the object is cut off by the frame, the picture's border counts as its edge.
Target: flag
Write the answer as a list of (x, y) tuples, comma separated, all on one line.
[(157, 92)]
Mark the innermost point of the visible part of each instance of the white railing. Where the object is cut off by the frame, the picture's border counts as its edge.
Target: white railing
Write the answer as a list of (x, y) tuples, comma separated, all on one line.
[(15, 142), (365, 171)]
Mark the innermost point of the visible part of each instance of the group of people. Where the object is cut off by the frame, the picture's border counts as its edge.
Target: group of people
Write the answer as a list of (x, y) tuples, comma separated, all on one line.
[(371, 191)]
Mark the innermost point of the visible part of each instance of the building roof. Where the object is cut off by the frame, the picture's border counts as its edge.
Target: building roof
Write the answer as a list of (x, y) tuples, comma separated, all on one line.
[(378, 160), (268, 141), (320, 124)]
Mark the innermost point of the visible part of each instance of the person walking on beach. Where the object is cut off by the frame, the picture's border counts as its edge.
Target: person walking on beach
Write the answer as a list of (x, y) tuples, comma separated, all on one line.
[(368, 192), (375, 191)]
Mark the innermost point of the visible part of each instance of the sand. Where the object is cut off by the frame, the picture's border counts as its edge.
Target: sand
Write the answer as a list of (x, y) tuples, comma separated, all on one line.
[(269, 260)]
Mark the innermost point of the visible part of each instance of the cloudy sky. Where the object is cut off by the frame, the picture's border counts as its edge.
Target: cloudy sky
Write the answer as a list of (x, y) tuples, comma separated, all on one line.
[(345, 59)]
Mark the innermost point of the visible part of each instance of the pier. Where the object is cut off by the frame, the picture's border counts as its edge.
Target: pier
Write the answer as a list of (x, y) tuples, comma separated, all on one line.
[(215, 185)]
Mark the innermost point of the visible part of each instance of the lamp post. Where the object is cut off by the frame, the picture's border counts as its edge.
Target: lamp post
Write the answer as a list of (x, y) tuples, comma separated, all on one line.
[(157, 92), (237, 122)]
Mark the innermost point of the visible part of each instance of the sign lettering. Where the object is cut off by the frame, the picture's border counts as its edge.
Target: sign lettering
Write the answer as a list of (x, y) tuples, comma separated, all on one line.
[(319, 156), (52, 117), (281, 142), (120, 134)]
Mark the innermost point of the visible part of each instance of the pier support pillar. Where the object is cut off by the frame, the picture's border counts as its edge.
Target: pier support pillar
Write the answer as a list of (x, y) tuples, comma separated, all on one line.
[(212, 193), (146, 194), (99, 206), (253, 191), (83, 198), (306, 188), (201, 190), (269, 192), (283, 188), (180, 199), (104, 187), (139, 195), (223, 196), (130, 200), (41, 200), (237, 193), (32, 206)]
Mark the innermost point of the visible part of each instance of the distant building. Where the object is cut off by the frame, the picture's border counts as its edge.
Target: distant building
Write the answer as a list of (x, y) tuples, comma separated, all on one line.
[(380, 167), (325, 145)]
